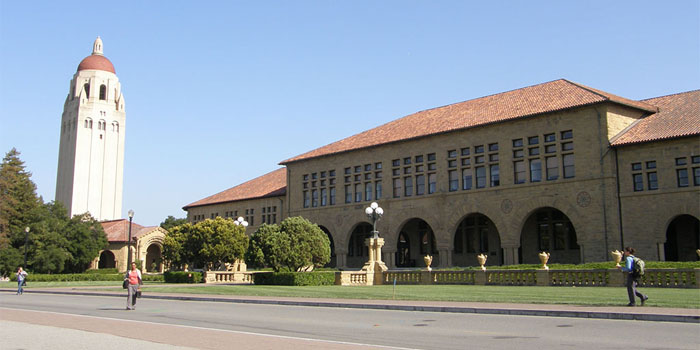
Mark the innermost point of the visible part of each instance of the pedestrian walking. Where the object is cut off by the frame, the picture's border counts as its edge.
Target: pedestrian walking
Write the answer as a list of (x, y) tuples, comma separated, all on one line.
[(21, 280), (133, 276), (632, 277)]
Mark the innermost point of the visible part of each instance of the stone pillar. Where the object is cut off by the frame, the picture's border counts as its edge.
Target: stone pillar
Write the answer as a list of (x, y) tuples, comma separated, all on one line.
[(510, 255), (445, 257), (341, 260), (542, 277), (661, 251), (480, 278), (375, 267)]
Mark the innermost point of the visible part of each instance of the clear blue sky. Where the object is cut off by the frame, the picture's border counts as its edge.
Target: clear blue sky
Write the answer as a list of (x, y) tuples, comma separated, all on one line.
[(219, 92)]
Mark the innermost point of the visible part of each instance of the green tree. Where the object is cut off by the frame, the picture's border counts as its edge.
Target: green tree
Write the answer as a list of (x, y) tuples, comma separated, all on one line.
[(292, 245), (18, 209), (85, 237), (205, 244), (171, 222), (18, 200)]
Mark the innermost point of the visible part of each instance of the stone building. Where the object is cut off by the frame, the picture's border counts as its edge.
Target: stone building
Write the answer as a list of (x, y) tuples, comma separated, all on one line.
[(146, 246), (91, 154), (557, 167)]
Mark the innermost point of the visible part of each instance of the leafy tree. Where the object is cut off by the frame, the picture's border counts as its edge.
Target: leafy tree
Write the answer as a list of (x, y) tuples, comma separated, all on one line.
[(292, 245), (171, 222), (85, 237), (205, 244), (18, 200)]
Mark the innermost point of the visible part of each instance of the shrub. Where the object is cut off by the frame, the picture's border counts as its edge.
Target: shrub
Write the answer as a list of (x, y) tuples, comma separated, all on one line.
[(73, 277), (103, 271), (295, 278), (182, 277)]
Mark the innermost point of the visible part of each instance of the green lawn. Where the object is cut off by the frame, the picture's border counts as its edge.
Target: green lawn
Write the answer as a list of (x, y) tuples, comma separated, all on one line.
[(593, 296)]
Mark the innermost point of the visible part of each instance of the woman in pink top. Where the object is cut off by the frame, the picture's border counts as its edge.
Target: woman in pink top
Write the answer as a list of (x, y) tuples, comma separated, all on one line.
[(134, 277)]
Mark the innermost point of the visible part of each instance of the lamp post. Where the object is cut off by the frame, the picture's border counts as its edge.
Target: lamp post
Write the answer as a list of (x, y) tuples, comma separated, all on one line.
[(26, 241), (374, 212), (241, 221), (128, 246)]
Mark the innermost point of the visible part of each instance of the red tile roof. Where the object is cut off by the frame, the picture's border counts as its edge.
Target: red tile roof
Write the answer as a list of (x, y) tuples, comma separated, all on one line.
[(529, 101), (269, 185), (118, 230), (678, 116)]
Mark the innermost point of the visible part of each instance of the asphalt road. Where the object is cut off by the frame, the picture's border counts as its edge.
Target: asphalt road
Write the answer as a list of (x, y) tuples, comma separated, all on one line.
[(41, 321)]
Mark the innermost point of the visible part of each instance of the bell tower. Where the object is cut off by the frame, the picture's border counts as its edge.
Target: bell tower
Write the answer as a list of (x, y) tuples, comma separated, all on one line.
[(91, 153)]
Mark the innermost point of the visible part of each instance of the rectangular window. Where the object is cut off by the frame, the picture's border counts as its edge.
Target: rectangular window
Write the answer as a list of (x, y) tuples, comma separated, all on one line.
[(518, 153), (533, 140), (348, 194), (368, 167), (432, 166), (552, 168), (431, 157), (420, 185), (652, 181), (535, 170), (550, 138), (314, 198), (432, 183), (368, 191), (651, 165), (331, 173), (358, 192), (696, 176), (493, 147), (681, 161), (378, 175), (396, 162), (368, 176), (466, 161), (480, 177), (408, 186), (397, 187), (452, 153), (495, 178), (465, 151), (534, 151), (378, 189), (568, 134), (479, 149), (682, 175), (419, 159), (324, 197), (638, 182), (358, 177), (493, 157), (466, 179), (407, 161), (520, 175), (567, 146), (478, 159), (454, 180), (550, 149), (636, 166), (323, 174), (307, 200), (332, 196), (377, 166), (518, 143), (453, 163), (358, 168), (568, 162)]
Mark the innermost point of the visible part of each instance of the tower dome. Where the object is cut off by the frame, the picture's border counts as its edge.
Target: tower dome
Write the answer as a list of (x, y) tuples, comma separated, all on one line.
[(97, 60)]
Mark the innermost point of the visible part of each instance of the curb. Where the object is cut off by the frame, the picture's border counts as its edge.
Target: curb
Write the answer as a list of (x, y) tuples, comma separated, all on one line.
[(452, 309)]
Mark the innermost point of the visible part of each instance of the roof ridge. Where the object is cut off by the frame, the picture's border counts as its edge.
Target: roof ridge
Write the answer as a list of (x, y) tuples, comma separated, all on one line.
[(669, 95)]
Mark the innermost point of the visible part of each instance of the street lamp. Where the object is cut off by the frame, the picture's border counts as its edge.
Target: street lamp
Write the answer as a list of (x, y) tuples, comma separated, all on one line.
[(26, 241), (128, 247), (374, 212), (241, 221)]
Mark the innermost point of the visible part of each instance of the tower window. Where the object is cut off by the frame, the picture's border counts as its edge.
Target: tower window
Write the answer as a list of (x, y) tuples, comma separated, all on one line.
[(103, 92), (87, 90)]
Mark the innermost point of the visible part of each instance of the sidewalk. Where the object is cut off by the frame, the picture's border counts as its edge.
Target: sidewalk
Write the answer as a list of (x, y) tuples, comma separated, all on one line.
[(551, 310)]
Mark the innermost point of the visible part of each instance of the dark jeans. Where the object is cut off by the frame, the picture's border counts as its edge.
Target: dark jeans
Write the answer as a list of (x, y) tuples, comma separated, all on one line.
[(632, 289)]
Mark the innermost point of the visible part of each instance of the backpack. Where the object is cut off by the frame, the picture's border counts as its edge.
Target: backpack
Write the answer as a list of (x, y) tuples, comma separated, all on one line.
[(638, 267)]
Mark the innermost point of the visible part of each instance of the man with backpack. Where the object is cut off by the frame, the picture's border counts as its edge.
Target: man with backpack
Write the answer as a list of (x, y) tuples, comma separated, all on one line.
[(635, 268)]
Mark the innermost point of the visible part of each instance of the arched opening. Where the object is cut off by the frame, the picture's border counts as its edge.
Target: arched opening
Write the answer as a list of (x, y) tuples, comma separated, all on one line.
[(418, 241), (358, 252), (475, 235), (103, 92), (682, 239), (333, 261), (86, 86), (107, 260), (153, 258), (549, 230)]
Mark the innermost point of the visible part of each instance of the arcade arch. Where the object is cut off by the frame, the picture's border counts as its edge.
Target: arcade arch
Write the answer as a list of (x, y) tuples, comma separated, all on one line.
[(107, 260), (334, 261), (550, 230), (415, 240), (476, 234), (682, 239)]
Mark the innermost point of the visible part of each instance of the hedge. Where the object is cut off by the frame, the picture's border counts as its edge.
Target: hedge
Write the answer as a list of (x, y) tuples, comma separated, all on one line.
[(295, 278), (103, 271), (183, 277), (586, 266), (37, 277)]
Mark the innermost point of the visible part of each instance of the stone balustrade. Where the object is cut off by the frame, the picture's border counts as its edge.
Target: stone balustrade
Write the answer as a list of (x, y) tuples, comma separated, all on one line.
[(663, 278)]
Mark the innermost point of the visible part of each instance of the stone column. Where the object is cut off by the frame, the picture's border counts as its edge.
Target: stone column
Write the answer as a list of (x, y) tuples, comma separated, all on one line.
[(510, 255)]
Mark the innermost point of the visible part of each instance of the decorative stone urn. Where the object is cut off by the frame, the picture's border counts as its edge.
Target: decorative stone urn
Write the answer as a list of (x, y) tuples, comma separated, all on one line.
[(698, 251), (482, 261), (617, 256), (544, 257), (428, 260)]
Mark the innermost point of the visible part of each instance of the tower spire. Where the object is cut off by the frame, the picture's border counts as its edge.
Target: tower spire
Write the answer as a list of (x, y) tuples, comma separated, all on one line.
[(97, 46)]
